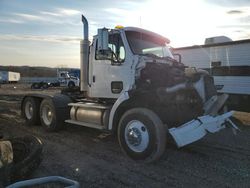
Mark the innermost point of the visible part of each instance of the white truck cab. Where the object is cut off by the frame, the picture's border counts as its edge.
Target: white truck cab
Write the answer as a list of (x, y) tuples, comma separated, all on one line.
[(66, 80), (113, 70)]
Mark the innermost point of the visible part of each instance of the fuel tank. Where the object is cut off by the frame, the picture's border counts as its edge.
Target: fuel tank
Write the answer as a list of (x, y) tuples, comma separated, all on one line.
[(90, 113)]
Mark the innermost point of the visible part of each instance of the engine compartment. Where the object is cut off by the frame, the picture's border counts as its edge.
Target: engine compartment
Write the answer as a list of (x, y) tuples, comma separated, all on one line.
[(175, 92)]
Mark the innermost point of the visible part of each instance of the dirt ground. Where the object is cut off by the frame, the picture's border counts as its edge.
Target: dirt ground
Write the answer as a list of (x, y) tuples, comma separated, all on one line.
[(94, 159)]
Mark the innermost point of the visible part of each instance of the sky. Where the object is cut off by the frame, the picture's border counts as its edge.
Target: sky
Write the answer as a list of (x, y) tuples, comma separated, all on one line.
[(47, 32)]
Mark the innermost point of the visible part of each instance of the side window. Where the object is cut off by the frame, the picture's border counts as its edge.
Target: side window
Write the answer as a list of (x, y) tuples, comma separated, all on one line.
[(63, 75), (116, 51)]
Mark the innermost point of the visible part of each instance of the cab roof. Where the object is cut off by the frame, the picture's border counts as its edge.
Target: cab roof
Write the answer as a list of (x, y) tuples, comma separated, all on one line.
[(147, 32), (144, 31)]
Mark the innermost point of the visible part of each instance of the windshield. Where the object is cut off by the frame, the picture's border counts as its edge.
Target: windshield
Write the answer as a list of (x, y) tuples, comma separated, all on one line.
[(143, 44)]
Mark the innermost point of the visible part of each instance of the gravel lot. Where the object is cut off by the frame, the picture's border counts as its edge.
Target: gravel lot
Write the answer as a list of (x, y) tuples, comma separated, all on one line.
[(94, 159)]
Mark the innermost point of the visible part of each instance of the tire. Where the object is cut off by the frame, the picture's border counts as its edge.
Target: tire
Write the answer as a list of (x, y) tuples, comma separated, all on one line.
[(48, 116), (45, 85), (71, 84), (30, 111), (149, 140), (27, 156), (36, 86)]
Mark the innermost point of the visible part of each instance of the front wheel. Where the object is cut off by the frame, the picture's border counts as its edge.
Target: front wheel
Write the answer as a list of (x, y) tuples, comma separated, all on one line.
[(71, 84), (48, 116), (142, 135)]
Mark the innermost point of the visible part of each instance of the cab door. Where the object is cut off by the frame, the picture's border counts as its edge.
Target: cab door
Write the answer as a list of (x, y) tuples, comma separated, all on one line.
[(111, 71)]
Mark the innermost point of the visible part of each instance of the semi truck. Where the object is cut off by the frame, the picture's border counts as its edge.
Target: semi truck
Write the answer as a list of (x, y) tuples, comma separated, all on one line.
[(63, 79), (228, 62), (132, 86), (9, 77)]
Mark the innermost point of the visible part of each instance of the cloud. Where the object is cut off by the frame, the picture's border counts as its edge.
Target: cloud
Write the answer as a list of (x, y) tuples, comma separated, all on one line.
[(8, 20), (246, 26), (235, 12), (61, 12), (229, 3), (245, 19), (29, 17), (47, 38), (49, 13), (58, 16), (68, 12), (245, 35), (239, 31), (117, 11)]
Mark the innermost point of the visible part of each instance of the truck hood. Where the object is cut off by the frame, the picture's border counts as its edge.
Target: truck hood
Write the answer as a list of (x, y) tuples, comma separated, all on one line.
[(144, 59)]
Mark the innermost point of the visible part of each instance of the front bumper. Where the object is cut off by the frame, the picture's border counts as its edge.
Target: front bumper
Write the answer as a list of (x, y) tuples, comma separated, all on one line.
[(196, 129)]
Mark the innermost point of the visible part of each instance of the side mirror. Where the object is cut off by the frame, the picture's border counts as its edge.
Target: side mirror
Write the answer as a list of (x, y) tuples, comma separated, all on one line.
[(103, 39), (177, 57)]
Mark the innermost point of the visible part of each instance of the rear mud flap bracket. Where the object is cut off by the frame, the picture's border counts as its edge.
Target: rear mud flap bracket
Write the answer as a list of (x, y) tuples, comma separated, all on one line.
[(196, 129)]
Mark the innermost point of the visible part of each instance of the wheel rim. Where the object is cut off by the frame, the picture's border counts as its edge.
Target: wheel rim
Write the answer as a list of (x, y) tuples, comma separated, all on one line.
[(47, 115), (136, 136), (29, 110)]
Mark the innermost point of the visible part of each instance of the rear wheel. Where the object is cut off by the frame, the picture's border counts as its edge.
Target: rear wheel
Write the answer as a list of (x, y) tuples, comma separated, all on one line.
[(48, 116), (45, 85), (35, 86), (30, 111), (142, 135)]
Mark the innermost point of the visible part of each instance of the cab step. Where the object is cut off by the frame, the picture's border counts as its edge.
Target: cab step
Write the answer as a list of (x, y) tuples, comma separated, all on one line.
[(85, 124)]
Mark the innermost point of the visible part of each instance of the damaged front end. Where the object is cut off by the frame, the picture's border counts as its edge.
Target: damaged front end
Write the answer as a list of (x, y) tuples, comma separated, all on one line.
[(196, 129), (184, 98)]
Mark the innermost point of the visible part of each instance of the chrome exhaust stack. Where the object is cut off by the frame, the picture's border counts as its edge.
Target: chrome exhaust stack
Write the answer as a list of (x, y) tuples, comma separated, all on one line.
[(84, 55)]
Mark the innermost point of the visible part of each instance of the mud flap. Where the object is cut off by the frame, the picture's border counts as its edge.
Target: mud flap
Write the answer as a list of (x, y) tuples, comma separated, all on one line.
[(196, 129)]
